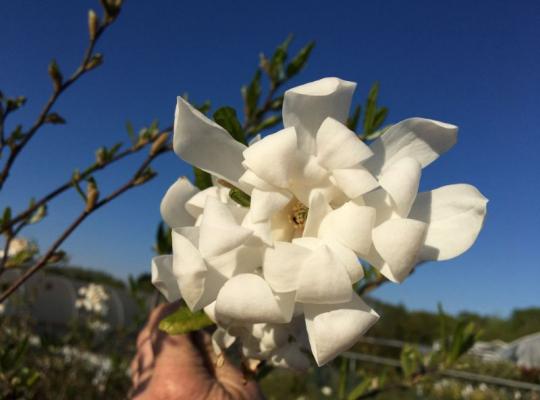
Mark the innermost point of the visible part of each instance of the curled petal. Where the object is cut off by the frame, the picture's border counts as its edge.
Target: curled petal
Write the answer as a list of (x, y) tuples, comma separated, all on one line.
[(338, 146), (401, 180), (247, 298), (163, 278), (265, 204), (398, 241), (282, 265), (323, 279), (220, 232), (334, 328), (250, 180), (281, 151), (221, 340), (318, 209), (190, 270), (290, 356), (349, 225), (206, 145), (354, 182), (305, 107), (454, 214), (195, 205), (173, 206), (419, 138)]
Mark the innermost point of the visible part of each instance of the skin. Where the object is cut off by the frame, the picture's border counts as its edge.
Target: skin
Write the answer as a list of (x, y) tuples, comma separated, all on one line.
[(184, 367)]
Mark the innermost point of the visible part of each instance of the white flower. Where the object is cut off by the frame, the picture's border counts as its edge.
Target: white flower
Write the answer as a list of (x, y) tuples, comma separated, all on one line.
[(320, 199), (93, 298), (327, 391)]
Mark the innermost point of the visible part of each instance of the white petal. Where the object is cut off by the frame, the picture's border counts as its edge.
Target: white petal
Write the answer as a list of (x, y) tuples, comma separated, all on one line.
[(262, 231), (349, 225), (265, 204), (323, 279), (290, 356), (242, 259), (247, 298), (382, 203), (276, 158), (398, 241), (349, 260), (305, 107), (163, 278), (206, 145), (334, 328), (220, 231), (195, 205), (455, 215), (354, 182), (401, 180), (282, 264), (318, 209), (221, 340), (418, 138), (189, 269), (173, 206), (338, 146), (251, 180), (210, 311)]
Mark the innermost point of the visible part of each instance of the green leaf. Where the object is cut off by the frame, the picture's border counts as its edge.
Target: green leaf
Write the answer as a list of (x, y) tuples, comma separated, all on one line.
[(38, 215), (299, 61), (203, 179), (380, 117), (131, 132), (226, 117), (411, 361), (276, 104), (163, 240), (276, 69), (204, 107), (184, 321), (359, 389), (240, 197), (371, 109), (352, 121), (252, 94)]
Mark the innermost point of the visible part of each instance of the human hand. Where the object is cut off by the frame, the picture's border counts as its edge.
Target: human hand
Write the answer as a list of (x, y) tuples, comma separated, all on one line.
[(183, 367)]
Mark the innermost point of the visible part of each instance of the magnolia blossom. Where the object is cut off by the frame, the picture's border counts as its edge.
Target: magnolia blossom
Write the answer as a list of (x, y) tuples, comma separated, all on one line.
[(321, 199)]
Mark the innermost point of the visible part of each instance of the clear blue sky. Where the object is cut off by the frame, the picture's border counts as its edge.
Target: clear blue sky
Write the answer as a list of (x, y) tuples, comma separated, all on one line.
[(472, 63)]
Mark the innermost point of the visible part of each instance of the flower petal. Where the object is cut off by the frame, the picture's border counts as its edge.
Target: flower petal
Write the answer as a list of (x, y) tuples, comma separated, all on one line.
[(354, 182), (282, 265), (398, 241), (206, 145), (189, 269), (220, 231), (265, 204), (242, 259), (418, 138), (173, 206), (247, 298), (318, 209), (349, 225), (338, 146), (251, 180), (401, 180), (221, 340), (454, 214), (279, 149), (334, 328), (305, 107), (163, 278), (290, 356), (195, 205), (323, 279)]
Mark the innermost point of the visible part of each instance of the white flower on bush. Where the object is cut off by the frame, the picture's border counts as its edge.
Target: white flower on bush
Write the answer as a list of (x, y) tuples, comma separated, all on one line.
[(93, 299), (320, 199)]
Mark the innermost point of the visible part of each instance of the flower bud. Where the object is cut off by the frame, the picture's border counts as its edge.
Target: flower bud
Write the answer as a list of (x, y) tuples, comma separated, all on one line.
[(93, 24), (158, 143), (56, 75), (92, 195), (95, 61)]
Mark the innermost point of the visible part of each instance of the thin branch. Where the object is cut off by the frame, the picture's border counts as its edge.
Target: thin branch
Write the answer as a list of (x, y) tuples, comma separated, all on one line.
[(80, 71), (69, 183), (133, 182)]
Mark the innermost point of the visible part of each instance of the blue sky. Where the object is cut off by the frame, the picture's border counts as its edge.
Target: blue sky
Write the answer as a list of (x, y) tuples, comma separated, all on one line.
[(474, 64)]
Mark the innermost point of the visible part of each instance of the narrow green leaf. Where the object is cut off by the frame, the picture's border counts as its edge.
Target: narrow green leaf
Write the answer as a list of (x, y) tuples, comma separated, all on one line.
[(131, 132), (252, 94), (183, 321), (204, 107), (240, 197), (380, 117), (411, 361), (276, 68), (371, 109), (352, 121), (163, 240), (266, 124), (359, 389), (203, 179), (226, 117), (299, 61)]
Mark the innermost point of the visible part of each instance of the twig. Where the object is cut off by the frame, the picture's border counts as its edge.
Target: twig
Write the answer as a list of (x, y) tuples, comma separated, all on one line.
[(80, 71), (69, 183), (134, 181)]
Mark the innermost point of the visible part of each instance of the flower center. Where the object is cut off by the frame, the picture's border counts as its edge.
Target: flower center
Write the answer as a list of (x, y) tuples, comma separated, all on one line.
[(298, 215)]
